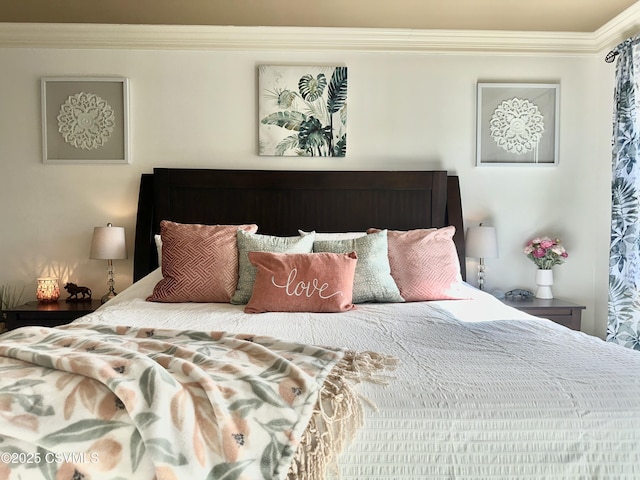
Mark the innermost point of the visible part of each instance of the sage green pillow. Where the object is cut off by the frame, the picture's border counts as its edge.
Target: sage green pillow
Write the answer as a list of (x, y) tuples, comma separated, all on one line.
[(255, 242), (373, 281)]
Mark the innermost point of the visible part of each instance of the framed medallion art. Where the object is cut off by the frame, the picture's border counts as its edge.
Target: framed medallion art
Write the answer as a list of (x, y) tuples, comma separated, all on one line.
[(517, 124), (85, 120)]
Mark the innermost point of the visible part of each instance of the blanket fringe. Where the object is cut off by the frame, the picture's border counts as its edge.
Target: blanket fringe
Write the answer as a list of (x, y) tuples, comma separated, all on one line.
[(337, 414)]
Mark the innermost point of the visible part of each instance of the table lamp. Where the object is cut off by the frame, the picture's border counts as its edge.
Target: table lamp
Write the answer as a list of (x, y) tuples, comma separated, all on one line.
[(108, 243), (481, 243)]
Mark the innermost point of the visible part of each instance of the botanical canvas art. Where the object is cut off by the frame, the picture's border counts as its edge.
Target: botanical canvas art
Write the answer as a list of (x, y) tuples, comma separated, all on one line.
[(517, 124), (303, 111)]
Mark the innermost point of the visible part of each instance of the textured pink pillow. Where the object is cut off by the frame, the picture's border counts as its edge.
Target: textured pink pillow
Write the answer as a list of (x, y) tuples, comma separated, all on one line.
[(302, 282), (199, 262), (424, 264)]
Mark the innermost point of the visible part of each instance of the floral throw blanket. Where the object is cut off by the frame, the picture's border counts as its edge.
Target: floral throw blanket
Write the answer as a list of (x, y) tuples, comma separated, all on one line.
[(103, 402)]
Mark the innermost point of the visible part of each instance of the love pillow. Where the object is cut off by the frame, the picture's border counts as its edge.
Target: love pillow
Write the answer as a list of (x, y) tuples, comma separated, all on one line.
[(302, 282)]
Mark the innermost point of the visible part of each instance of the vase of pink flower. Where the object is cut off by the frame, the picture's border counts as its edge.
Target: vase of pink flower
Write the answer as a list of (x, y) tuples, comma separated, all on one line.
[(545, 253)]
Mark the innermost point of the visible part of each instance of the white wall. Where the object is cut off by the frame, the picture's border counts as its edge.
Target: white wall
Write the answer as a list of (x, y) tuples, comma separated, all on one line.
[(406, 111)]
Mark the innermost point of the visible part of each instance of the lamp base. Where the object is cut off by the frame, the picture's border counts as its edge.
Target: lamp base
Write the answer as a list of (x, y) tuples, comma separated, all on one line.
[(108, 296), (481, 270)]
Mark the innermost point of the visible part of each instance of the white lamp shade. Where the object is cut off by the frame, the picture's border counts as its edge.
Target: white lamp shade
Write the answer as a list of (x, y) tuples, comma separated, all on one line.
[(481, 242), (108, 243)]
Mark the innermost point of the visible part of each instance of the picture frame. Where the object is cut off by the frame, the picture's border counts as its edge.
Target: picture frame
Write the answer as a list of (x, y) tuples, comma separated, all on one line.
[(517, 124), (85, 120), (302, 110)]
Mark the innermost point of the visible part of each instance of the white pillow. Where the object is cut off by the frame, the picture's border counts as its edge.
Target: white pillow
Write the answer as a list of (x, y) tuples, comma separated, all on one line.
[(158, 239), (335, 236)]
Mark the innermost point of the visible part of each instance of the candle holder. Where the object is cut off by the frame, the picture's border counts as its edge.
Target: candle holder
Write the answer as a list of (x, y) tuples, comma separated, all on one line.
[(48, 290)]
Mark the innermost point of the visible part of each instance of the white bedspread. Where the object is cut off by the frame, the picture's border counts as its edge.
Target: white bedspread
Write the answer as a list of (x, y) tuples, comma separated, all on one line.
[(482, 390)]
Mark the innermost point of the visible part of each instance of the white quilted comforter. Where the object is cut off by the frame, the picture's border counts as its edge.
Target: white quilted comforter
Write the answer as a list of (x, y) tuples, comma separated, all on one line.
[(482, 391)]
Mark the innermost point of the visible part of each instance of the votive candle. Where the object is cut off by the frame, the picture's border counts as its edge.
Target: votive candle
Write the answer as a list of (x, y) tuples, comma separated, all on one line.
[(48, 290)]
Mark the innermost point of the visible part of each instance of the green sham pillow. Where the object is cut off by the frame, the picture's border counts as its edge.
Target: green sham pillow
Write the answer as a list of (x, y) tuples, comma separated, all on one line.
[(255, 242), (373, 281)]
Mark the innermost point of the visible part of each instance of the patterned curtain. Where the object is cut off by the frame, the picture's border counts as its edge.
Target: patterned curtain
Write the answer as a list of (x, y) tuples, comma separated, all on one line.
[(624, 260)]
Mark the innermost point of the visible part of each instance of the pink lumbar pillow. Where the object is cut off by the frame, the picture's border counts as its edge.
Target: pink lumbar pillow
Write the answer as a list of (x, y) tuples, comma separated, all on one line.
[(302, 282), (424, 264), (199, 262)]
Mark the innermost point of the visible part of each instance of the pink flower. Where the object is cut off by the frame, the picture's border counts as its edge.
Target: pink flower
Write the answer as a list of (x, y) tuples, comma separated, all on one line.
[(538, 253), (545, 252)]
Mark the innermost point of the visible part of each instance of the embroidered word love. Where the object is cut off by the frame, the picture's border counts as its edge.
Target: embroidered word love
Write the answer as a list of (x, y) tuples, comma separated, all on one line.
[(310, 288)]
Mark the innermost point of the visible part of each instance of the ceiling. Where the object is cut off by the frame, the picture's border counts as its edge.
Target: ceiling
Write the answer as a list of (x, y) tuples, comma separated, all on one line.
[(517, 15)]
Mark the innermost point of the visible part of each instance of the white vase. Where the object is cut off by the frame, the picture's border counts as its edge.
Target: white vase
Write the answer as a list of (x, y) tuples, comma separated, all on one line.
[(544, 279)]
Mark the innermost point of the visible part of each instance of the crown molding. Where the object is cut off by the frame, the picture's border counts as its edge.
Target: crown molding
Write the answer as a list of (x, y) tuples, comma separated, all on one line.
[(183, 37), (625, 25)]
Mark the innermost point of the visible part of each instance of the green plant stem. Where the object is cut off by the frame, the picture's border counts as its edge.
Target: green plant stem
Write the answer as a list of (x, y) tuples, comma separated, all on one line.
[(9, 297)]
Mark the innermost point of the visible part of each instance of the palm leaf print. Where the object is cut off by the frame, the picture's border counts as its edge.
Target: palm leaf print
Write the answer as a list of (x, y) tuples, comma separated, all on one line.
[(337, 90), (312, 88), (311, 101), (288, 120), (623, 325)]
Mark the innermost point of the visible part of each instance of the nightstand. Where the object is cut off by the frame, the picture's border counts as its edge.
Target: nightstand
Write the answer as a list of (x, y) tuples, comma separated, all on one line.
[(559, 311), (48, 314)]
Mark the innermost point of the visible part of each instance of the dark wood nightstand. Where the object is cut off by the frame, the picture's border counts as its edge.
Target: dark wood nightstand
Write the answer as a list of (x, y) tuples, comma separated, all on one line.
[(559, 311), (48, 314)]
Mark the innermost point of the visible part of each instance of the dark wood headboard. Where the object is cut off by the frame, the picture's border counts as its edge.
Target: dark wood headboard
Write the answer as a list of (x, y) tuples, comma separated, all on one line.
[(281, 202)]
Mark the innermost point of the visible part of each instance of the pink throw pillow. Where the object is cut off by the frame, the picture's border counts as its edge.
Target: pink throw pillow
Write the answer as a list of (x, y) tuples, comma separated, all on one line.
[(199, 262), (302, 282), (424, 264)]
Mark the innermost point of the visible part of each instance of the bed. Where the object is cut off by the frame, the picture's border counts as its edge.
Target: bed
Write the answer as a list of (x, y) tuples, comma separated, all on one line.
[(480, 390)]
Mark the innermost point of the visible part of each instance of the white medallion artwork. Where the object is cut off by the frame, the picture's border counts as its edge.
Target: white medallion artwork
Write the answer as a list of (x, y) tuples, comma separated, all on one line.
[(86, 121), (517, 126)]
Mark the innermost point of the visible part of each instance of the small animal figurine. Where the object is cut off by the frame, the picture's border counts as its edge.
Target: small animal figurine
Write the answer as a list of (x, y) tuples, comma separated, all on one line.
[(75, 290)]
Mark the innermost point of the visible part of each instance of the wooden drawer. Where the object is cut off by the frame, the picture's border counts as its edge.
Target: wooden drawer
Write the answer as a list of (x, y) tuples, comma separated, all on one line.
[(48, 314), (557, 310)]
